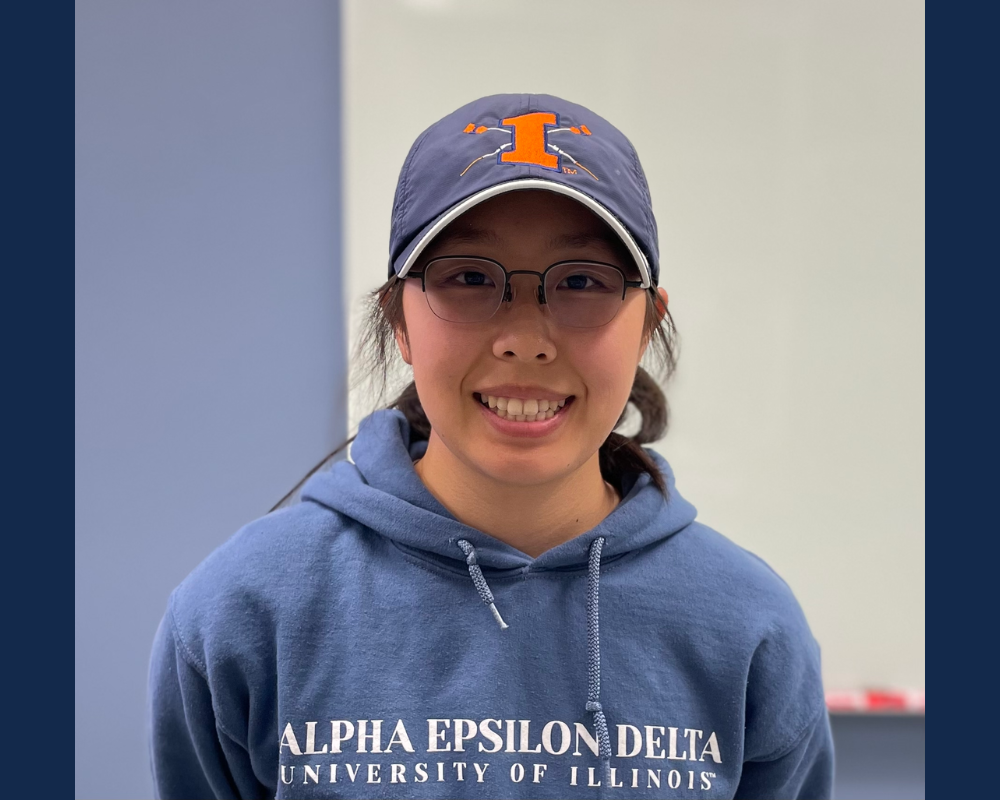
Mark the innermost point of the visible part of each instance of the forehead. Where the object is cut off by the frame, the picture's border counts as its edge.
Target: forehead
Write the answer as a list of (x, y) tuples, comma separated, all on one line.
[(543, 222)]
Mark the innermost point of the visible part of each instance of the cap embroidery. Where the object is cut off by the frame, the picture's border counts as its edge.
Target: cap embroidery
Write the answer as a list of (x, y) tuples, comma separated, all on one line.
[(529, 142)]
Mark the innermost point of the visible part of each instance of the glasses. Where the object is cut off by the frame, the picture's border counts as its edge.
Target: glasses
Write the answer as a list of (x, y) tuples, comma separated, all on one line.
[(579, 294)]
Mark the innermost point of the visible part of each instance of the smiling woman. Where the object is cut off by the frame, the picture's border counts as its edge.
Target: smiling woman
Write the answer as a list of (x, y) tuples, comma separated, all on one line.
[(338, 644), (560, 325)]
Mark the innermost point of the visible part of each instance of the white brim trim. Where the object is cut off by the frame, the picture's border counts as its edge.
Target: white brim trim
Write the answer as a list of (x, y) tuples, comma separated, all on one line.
[(531, 183)]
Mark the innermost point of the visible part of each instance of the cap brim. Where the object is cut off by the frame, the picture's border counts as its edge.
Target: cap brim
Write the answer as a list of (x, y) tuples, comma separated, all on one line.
[(426, 236)]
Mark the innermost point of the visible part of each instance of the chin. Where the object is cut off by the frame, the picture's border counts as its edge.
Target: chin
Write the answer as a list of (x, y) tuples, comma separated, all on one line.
[(521, 473), (523, 467)]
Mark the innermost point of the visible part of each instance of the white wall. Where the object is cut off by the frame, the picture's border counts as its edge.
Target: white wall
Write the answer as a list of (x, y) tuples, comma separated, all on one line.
[(783, 142)]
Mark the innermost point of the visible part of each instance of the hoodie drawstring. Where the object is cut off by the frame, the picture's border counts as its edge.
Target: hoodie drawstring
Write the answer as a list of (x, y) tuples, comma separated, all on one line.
[(593, 638), (594, 656), (476, 573)]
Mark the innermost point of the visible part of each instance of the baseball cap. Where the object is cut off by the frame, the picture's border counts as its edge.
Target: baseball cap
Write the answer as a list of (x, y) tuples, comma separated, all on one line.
[(510, 142)]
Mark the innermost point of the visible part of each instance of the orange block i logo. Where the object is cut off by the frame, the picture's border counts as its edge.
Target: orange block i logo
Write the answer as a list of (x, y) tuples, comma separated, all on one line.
[(529, 142)]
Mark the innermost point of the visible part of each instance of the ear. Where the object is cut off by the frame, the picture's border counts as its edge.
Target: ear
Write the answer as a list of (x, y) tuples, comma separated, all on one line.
[(403, 345), (662, 310)]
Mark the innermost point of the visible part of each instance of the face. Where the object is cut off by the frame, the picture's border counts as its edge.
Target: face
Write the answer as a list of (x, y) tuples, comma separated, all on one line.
[(521, 356)]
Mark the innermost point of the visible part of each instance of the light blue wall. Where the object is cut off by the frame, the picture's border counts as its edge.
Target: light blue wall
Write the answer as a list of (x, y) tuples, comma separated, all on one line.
[(210, 338)]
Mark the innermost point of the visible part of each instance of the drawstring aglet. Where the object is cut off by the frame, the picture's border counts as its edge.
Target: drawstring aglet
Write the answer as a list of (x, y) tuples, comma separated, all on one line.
[(496, 615)]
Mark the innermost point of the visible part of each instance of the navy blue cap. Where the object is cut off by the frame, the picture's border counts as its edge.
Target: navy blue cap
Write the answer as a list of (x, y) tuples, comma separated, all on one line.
[(509, 142)]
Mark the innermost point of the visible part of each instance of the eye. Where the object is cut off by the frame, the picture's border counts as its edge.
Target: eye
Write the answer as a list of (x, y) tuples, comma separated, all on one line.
[(461, 276), (473, 278), (583, 282)]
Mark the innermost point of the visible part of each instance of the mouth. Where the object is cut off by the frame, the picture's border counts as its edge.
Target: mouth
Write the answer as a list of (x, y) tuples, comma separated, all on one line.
[(516, 409)]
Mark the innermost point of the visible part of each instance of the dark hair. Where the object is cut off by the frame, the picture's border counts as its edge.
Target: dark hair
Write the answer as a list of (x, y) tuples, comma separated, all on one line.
[(376, 358)]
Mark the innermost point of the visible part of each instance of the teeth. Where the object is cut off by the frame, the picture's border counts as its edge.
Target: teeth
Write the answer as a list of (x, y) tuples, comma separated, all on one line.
[(522, 410)]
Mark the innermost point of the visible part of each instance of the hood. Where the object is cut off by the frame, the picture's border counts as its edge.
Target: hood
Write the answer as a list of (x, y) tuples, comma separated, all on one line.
[(380, 489), (383, 492)]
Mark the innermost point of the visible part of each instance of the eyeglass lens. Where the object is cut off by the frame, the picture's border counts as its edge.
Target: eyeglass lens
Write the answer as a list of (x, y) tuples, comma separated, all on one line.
[(578, 294)]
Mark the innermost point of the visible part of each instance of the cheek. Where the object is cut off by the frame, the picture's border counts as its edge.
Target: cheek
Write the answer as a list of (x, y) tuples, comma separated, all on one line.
[(609, 378), (439, 354), (608, 361), (436, 366)]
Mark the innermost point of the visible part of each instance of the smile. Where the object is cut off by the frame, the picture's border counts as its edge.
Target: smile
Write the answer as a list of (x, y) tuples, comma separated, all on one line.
[(519, 410)]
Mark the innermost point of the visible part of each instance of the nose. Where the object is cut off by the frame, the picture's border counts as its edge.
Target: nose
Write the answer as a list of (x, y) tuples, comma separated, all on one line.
[(523, 330)]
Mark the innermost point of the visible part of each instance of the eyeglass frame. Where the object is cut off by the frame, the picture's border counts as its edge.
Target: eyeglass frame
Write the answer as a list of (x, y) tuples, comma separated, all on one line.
[(506, 296)]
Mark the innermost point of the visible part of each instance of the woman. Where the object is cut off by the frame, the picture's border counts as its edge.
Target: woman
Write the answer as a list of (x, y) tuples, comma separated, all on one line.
[(340, 647)]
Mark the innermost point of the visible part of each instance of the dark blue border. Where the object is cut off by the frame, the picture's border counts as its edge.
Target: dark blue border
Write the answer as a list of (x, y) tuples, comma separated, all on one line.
[(963, 314), (38, 326)]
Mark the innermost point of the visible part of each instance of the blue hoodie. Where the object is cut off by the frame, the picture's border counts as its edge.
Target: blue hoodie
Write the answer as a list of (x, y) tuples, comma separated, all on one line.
[(364, 643)]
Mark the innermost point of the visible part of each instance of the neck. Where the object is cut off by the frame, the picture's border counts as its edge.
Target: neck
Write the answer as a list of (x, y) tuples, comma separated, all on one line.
[(533, 518)]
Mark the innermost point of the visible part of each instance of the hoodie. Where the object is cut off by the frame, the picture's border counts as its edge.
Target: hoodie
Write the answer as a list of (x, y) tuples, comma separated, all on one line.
[(364, 643)]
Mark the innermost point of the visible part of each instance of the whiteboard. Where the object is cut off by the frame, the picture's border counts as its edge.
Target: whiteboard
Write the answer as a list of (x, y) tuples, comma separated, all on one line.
[(783, 144)]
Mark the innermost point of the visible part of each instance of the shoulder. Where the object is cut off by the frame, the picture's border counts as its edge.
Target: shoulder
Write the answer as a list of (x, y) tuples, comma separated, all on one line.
[(223, 621), (234, 598), (708, 564), (730, 606), (784, 690)]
